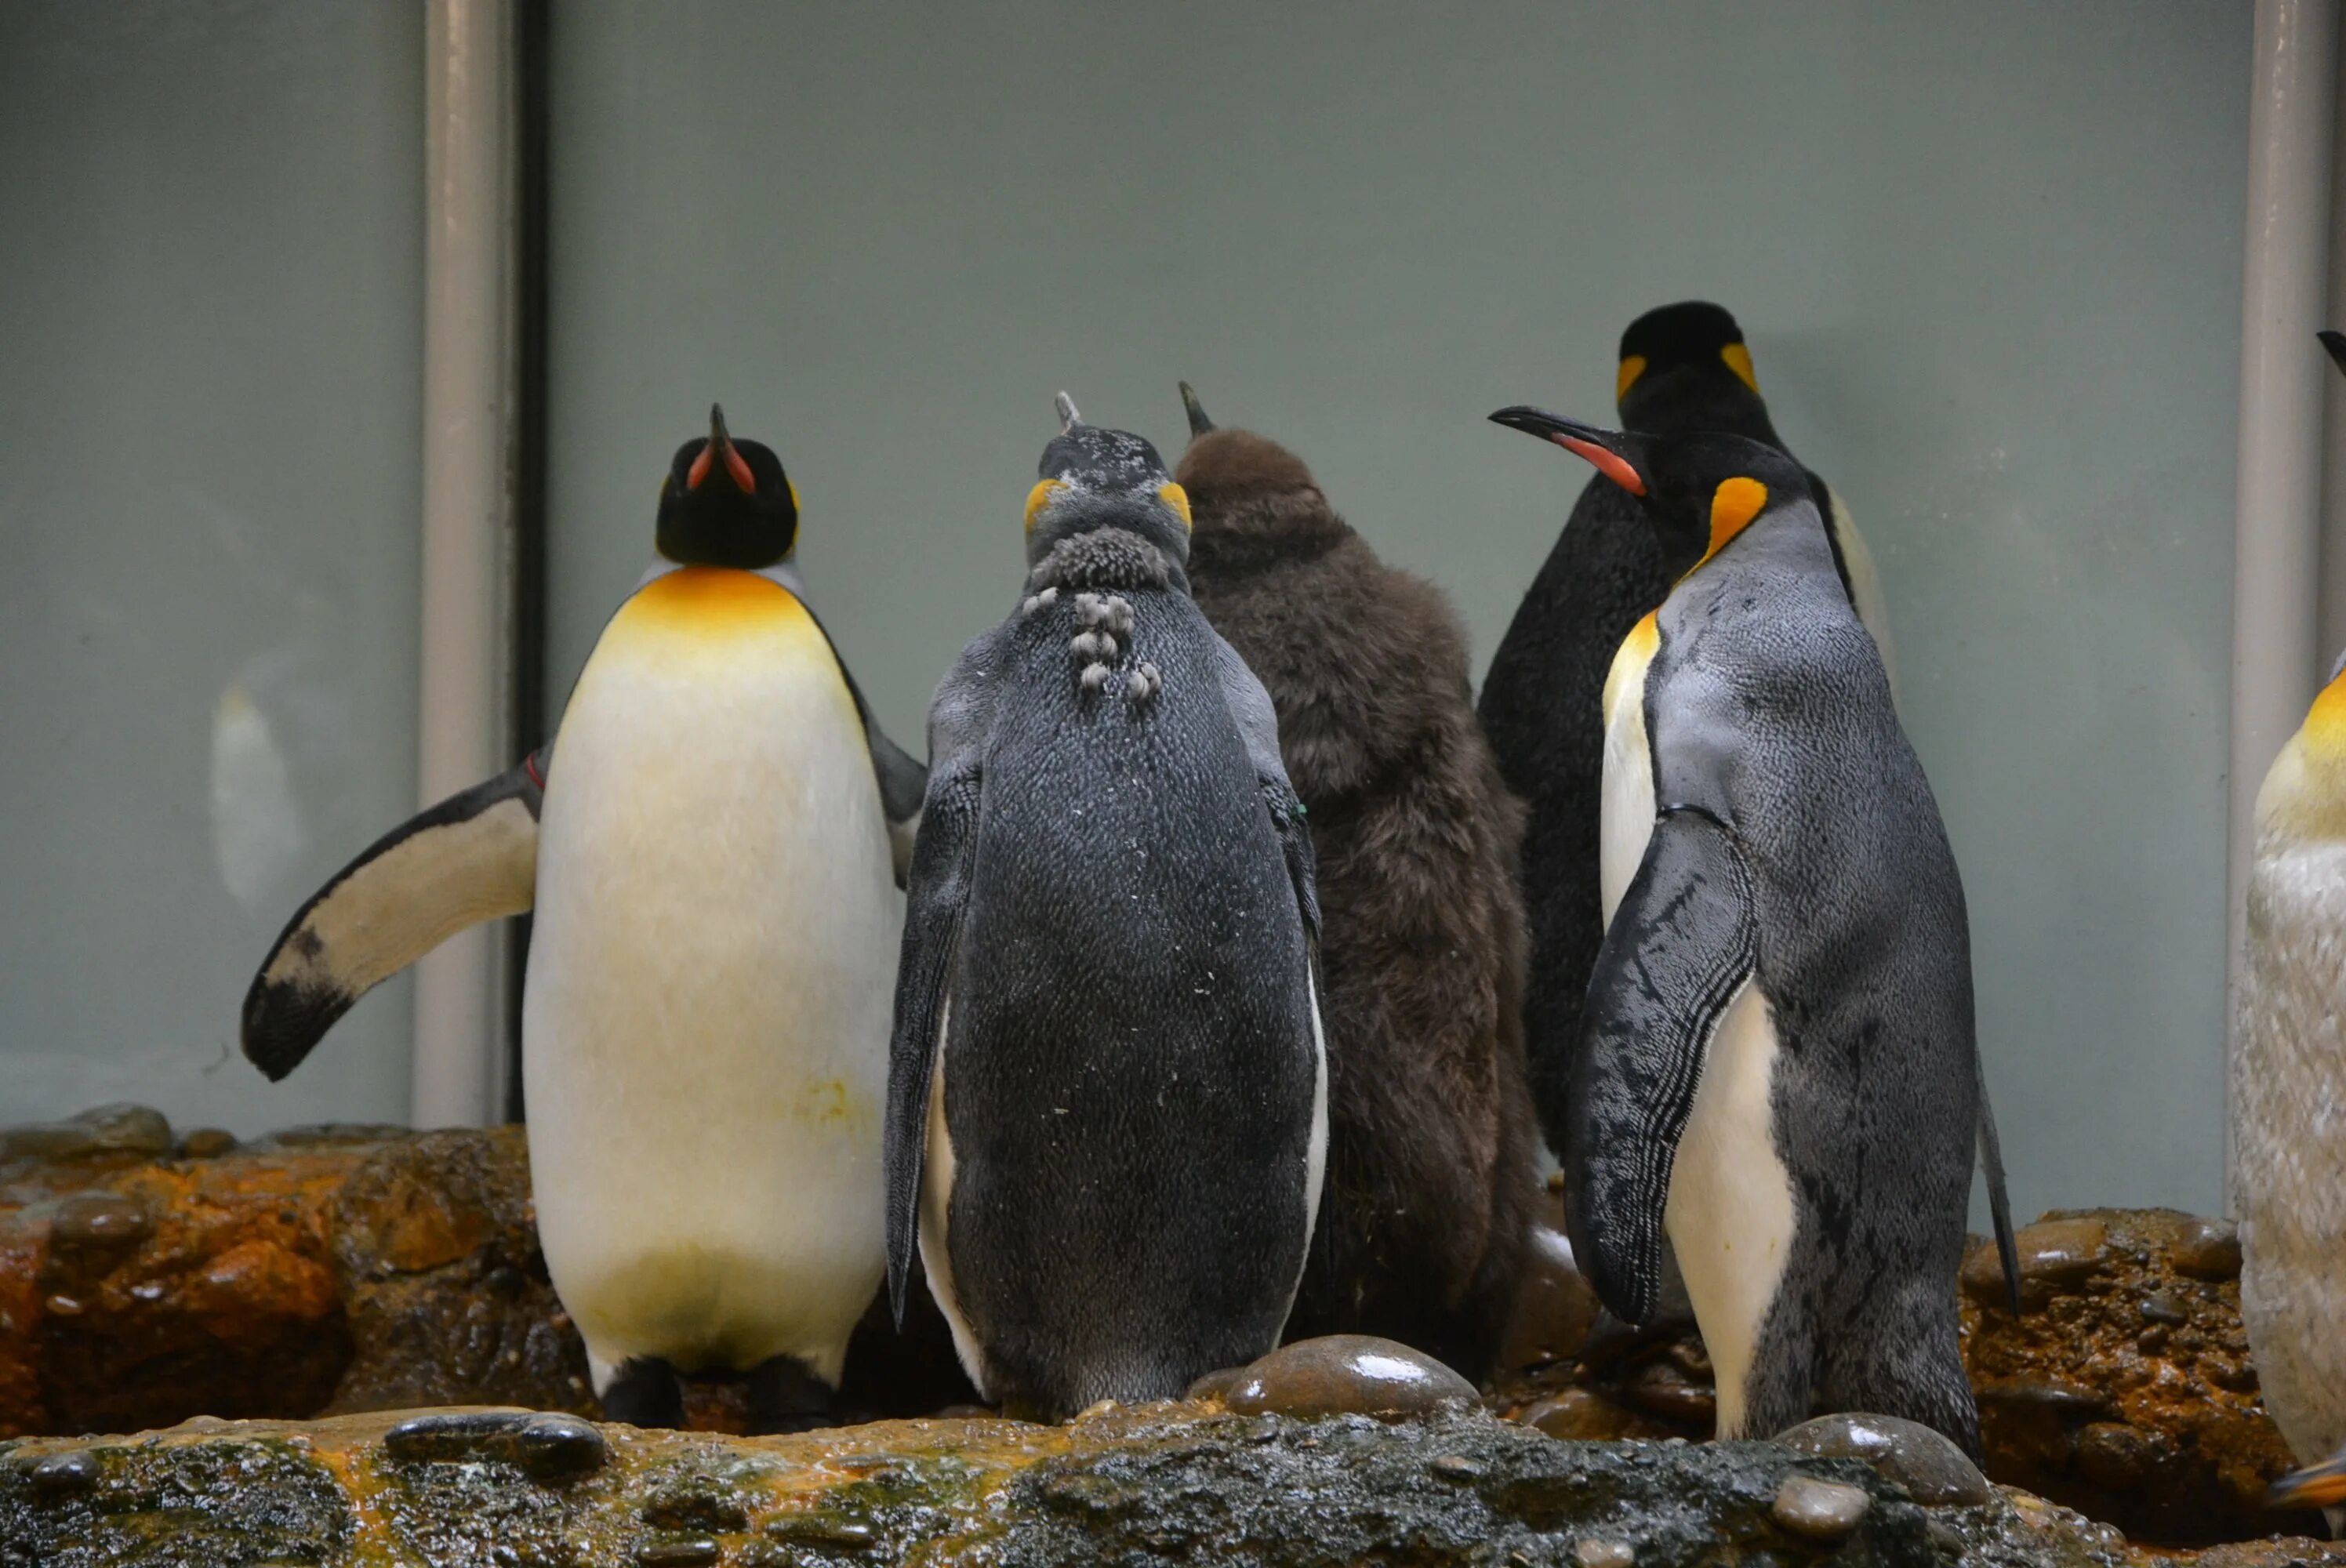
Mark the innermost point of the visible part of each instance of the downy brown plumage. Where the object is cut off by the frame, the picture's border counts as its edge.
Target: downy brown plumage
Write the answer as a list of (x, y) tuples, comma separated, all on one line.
[(1432, 1163)]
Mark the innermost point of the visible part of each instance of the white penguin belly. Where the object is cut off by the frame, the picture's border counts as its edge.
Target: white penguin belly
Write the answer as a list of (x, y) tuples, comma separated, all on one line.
[(1625, 811), (706, 1017), (1728, 1214), (2288, 1140)]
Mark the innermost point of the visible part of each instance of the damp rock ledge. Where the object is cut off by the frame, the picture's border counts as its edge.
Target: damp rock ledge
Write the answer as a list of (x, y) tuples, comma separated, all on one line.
[(1188, 1482)]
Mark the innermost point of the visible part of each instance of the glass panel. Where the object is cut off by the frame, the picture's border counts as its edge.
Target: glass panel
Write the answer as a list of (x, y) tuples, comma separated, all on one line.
[(1987, 254), (210, 294)]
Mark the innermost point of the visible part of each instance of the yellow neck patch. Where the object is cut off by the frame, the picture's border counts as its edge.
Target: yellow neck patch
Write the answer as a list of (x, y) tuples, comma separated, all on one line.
[(1738, 357), (1732, 506), (2325, 721), (708, 597), (1174, 496), (1038, 498), (1631, 369)]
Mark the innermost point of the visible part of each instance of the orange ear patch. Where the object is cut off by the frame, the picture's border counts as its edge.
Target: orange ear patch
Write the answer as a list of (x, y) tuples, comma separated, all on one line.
[(1038, 498), (1732, 506), (1631, 369), (1738, 357), (1176, 497), (2325, 722), (1611, 465)]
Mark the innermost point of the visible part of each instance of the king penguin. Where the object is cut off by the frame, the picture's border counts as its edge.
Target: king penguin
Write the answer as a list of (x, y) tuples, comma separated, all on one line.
[(705, 1013), (1776, 1067), (1107, 1093), (2288, 1081), (1683, 368), (1432, 1152)]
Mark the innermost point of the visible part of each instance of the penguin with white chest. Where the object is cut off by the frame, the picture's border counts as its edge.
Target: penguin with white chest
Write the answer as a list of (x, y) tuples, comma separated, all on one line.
[(2289, 1086), (705, 1014), (1683, 368), (1107, 1097), (1775, 1066)]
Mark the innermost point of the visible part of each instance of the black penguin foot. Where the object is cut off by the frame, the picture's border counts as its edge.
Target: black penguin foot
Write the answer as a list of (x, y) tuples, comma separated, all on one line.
[(786, 1397), (644, 1392)]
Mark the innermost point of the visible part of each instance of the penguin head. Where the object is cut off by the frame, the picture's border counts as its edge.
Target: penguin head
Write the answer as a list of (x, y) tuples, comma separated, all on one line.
[(1685, 367), (1092, 477), (1222, 468), (727, 502), (1698, 491)]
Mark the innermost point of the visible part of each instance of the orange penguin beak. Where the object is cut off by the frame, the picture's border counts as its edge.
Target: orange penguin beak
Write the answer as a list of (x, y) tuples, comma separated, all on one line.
[(2316, 1486), (720, 445)]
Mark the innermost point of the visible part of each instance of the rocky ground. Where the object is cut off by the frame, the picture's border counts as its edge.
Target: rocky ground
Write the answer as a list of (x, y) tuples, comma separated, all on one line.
[(146, 1278)]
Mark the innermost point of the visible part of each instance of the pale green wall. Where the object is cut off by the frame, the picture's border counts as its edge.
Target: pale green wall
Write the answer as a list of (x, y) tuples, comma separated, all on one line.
[(210, 266), (1988, 256)]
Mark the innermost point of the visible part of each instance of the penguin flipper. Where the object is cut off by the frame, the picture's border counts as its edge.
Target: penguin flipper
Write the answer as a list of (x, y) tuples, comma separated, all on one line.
[(937, 893), (1999, 1207), (1682, 943), (471, 858), (902, 778), (1257, 721)]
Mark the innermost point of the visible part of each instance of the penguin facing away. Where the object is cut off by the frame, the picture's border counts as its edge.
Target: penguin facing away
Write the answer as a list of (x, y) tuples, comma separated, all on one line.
[(2288, 1080), (1683, 368), (1777, 1068), (1432, 1170), (704, 1010), (1108, 1096)]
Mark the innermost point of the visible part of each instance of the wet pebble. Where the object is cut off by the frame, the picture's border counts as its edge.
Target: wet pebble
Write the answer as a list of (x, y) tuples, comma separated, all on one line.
[(120, 1129), (1345, 1374), (57, 1476), (1554, 1305), (2164, 1307), (1590, 1553), (1661, 1389), (554, 1445), (2116, 1457), (2061, 1251), (1933, 1469), (676, 1555), (2058, 1395), (543, 1446), (100, 1219), (1455, 1467), (813, 1530), (2208, 1250), (1819, 1510), (1576, 1415), (206, 1142)]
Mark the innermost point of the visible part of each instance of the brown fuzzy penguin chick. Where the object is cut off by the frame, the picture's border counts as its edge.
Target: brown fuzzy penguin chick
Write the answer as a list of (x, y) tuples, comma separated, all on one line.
[(1432, 1164)]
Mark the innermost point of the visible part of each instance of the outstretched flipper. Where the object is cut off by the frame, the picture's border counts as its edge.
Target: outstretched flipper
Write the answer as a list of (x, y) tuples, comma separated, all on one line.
[(1681, 945), (902, 778), (1999, 1207), (471, 858), (937, 892)]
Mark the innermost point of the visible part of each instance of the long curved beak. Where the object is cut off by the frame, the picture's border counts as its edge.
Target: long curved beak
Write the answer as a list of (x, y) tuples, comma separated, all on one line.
[(1068, 417), (1608, 450), (720, 450)]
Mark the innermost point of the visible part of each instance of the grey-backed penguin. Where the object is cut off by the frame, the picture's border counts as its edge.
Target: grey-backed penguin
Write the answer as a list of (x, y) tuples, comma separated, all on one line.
[(705, 1014), (1432, 1150), (1107, 1095), (1777, 1068), (2288, 1080), (1683, 368)]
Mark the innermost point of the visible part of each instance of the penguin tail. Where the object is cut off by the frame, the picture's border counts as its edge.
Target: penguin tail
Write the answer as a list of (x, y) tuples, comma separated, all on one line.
[(1999, 1204)]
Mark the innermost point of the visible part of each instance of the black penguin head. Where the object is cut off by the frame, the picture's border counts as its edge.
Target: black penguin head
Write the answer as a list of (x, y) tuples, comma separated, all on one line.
[(1685, 367), (1698, 491), (1097, 478), (2336, 343), (727, 502)]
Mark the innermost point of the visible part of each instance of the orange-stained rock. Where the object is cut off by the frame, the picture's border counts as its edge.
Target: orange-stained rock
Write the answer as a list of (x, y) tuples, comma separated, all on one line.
[(2125, 1391), (324, 1270)]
